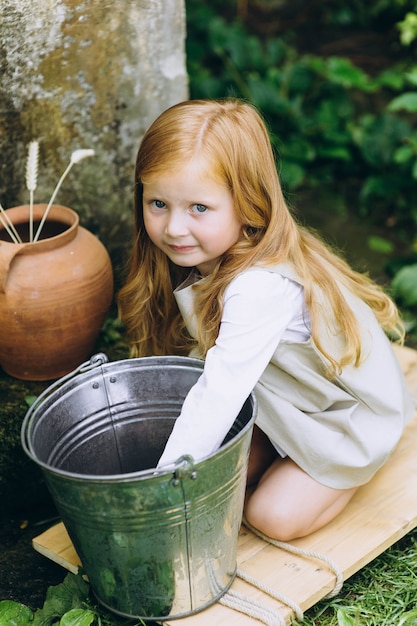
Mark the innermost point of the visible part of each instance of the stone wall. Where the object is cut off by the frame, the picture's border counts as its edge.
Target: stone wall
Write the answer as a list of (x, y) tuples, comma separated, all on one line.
[(85, 74), (78, 74)]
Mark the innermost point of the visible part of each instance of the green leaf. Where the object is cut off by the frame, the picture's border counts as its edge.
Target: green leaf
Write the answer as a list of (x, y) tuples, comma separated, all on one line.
[(379, 137), (30, 400), (72, 593), (344, 619), (404, 154), (298, 150), (391, 78), (379, 244), (343, 72), (77, 617), (404, 285), (408, 28), (406, 101), (334, 152), (292, 175), (14, 613), (408, 619), (412, 76)]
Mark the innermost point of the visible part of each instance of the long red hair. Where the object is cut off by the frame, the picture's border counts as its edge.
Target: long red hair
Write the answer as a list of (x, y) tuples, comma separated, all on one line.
[(233, 138)]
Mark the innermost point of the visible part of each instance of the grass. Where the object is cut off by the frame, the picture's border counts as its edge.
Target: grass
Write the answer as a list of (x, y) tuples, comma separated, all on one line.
[(384, 593)]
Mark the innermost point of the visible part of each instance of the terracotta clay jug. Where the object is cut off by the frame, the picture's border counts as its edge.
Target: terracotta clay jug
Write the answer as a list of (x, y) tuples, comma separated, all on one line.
[(55, 294)]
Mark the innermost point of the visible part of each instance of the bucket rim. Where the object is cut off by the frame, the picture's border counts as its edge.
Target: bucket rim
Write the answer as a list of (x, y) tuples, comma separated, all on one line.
[(185, 464)]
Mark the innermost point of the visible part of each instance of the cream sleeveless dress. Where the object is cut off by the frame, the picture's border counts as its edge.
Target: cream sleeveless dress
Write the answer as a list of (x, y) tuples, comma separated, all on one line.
[(339, 431)]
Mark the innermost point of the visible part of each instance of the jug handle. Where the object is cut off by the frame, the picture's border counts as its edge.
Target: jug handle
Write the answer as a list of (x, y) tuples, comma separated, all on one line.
[(8, 251)]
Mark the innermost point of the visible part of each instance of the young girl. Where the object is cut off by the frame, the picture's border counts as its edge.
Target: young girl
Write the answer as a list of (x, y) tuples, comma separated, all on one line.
[(220, 269)]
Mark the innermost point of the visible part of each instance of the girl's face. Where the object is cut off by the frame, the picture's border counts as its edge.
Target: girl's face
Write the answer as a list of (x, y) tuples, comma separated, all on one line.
[(190, 217)]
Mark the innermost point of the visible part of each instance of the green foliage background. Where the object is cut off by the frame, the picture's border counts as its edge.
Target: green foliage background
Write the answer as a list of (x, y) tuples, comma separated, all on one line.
[(342, 120), (344, 123)]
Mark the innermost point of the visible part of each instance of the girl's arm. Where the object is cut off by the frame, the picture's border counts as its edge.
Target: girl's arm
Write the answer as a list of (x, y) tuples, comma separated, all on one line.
[(260, 307)]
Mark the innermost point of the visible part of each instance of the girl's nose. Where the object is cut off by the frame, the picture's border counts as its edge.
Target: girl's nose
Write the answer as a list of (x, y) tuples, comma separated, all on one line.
[(176, 225)]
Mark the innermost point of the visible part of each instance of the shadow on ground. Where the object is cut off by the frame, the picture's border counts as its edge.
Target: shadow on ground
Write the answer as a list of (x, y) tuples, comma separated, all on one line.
[(25, 575)]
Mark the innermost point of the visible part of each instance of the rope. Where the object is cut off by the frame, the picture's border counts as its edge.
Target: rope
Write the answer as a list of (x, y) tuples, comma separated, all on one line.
[(294, 606), (239, 602), (302, 552), (258, 610)]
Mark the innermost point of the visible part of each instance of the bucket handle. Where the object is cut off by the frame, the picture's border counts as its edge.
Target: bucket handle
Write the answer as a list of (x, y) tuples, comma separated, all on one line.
[(96, 360), (183, 467)]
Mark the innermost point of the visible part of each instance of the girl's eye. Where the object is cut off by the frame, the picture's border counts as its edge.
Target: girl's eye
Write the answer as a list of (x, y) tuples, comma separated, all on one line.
[(158, 204), (199, 208)]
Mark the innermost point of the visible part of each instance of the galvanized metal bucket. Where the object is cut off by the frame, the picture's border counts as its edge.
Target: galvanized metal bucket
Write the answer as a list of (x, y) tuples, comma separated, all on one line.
[(153, 544)]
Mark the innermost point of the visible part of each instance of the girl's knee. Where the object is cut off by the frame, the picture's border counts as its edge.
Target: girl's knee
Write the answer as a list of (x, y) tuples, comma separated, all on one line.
[(296, 509), (275, 522)]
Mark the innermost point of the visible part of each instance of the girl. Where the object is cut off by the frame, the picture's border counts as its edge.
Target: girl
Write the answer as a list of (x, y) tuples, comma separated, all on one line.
[(221, 269)]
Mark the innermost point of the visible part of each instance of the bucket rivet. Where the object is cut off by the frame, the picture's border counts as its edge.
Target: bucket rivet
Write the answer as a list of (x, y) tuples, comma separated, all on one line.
[(96, 385), (113, 379), (175, 482), (193, 475)]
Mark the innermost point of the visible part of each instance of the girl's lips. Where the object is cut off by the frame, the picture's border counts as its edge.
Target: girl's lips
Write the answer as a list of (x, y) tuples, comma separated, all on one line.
[(181, 248)]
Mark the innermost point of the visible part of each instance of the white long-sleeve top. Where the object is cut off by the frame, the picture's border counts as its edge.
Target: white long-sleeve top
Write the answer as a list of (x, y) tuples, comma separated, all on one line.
[(259, 309), (339, 430)]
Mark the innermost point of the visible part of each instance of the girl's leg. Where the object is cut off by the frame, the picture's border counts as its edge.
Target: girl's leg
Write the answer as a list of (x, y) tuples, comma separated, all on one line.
[(287, 503)]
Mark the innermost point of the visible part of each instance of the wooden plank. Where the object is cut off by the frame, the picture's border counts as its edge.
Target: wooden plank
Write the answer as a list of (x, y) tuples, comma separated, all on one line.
[(380, 513), (56, 545)]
